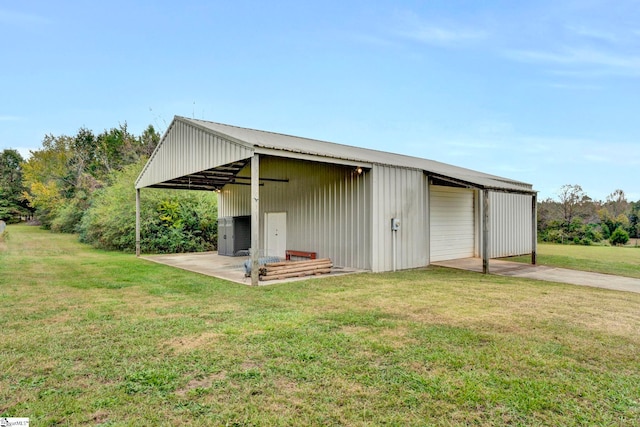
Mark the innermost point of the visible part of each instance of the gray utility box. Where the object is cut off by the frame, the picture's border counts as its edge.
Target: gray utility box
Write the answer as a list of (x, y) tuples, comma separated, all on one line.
[(234, 235)]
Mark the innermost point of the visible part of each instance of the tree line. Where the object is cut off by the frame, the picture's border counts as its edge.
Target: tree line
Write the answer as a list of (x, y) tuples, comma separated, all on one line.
[(576, 218), (84, 184)]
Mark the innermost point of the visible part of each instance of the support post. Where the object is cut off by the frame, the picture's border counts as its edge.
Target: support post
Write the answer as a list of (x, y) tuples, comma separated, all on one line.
[(137, 222), (255, 218), (485, 231), (534, 228)]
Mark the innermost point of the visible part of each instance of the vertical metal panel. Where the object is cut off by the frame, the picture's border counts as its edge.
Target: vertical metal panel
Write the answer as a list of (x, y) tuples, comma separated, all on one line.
[(399, 193), (186, 149), (452, 223), (510, 224), (486, 239), (328, 207), (255, 217)]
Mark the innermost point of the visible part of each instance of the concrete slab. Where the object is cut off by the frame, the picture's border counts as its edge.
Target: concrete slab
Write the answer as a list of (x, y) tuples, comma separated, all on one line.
[(550, 274), (225, 267)]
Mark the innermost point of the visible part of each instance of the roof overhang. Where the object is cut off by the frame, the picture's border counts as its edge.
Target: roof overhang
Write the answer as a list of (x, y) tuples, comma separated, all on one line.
[(457, 182)]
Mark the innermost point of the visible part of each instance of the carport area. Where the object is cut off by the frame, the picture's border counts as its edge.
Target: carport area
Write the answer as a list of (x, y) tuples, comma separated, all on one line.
[(227, 268), (550, 274)]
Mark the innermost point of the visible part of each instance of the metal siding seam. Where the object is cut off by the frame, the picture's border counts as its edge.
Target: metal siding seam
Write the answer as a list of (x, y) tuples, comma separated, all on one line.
[(390, 195), (373, 232), (340, 219), (402, 214)]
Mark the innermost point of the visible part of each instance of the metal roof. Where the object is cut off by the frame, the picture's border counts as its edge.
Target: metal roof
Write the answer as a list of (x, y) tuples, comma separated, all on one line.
[(297, 147)]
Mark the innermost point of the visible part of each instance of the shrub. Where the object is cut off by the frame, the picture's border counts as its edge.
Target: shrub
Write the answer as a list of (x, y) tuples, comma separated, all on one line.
[(555, 236), (592, 234), (170, 221), (619, 237), (68, 217)]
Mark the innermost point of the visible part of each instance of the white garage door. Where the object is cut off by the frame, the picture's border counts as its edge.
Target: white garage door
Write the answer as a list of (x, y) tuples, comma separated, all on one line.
[(452, 225)]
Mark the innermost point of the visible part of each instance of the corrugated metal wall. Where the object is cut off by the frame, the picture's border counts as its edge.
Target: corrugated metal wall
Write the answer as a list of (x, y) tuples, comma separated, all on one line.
[(399, 193), (186, 149), (328, 207), (510, 224)]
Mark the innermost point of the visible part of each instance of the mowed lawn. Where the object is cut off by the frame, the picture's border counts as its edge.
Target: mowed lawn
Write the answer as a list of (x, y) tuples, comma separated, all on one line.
[(100, 338), (619, 260)]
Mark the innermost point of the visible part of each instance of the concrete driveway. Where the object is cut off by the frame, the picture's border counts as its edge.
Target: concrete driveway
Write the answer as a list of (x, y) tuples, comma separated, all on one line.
[(550, 274)]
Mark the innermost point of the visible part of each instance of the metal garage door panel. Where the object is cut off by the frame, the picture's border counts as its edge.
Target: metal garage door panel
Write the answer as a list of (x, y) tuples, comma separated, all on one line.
[(452, 228)]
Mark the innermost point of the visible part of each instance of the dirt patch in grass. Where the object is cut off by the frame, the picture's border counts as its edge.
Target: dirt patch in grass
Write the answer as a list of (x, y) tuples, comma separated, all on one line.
[(192, 342), (201, 383), (98, 418), (397, 337)]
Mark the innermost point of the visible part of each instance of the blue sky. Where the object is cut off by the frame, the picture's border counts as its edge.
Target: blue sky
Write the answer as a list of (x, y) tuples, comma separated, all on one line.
[(546, 92)]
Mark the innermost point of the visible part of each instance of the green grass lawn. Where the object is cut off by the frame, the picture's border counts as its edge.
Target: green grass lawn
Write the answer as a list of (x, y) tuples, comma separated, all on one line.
[(620, 260), (101, 338)]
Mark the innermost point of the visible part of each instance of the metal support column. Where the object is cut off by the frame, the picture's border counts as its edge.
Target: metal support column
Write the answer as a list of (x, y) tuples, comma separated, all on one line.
[(534, 228), (485, 231), (137, 222), (255, 218)]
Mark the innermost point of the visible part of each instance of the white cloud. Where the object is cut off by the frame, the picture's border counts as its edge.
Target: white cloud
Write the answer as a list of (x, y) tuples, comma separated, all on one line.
[(573, 86), (10, 17), (593, 158), (440, 34), (594, 34), (374, 40), (478, 144), (573, 58), (10, 118), (431, 34)]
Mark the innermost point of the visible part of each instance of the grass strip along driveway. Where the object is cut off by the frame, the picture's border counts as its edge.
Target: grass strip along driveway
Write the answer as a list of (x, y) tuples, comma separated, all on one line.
[(103, 338), (618, 260)]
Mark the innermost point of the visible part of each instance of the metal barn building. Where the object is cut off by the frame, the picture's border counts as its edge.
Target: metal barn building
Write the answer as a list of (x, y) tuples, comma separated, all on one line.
[(362, 208)]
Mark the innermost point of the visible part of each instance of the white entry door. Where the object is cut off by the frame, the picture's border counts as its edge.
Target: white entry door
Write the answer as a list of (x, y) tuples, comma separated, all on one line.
[(275, 226)]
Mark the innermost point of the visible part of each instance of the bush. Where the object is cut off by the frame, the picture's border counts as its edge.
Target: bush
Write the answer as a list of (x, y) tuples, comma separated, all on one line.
[(619, 237), (555, 236), (68, 217), (171, 221), (592, 234)]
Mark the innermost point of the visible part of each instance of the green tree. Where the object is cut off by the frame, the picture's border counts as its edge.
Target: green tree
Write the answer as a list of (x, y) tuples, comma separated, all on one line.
[(634, 220), (12, 202), (148, 142), (47, 179), (62, 176), (619, 237), (571, 197), (617, 203)]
